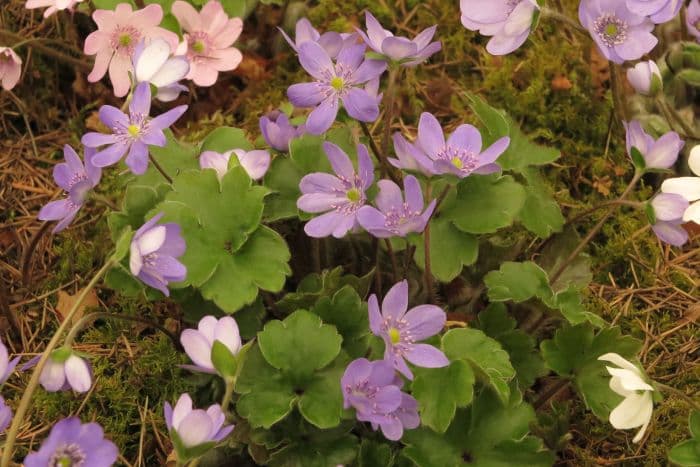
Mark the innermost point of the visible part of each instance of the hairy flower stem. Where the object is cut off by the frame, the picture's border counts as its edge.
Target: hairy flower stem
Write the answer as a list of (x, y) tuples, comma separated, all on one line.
[(88, 319), (160, 169), (23, 110), (615, 202), (566, 263), (29, 253), (392, 256), (428, 274), (558, 16), (390, 111), (386, 168), (615, 88), (671, 115), (26, 400), (677, 392)]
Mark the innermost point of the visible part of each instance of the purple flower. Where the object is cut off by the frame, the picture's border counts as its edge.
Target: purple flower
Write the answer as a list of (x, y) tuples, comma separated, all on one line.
[(659, 154), (396, 217), (508, 21), (77, 180), (659, 11), (72, 443), (399, 49), (404, 417), (5, 415), (408, 156), (198, 342), (339, 196), (63, 370), (619, 33), (645, 78), (7, 366), (154, 250), (460, 155), (666, 217), (195, 427), (331, 41), (131, 133), (278, 131), (400, 330), (255, 163), (334, 82), (692, 18)]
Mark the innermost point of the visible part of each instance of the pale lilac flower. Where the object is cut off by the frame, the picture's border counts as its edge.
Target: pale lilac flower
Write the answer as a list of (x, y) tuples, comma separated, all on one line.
[(255, 162), (688, 187), (77, 180), (209, 37), (131, 134), (666, 217), (401, 330), (645, 78), (72, 443), (278, 131), (460, 155), (340, 81), (195, 427), (659, 11), (154, 64), (10, 68), (116, 38), (404, 417), (339, 196), (408, 156), (198, 342), (7, 366), (331, 41), (619, 33), (154, 250), (396, 217), (659, 154), (63, 370), (53, 5), (692, 18), (399, 49), (508, 21), (5, 415)]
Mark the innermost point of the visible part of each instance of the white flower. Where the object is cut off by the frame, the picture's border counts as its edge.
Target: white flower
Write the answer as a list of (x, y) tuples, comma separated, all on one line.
[(154, 64), (627, 380), (688, 187)]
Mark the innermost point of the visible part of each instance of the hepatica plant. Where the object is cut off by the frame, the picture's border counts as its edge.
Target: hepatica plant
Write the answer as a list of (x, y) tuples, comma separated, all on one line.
[(349, 301)]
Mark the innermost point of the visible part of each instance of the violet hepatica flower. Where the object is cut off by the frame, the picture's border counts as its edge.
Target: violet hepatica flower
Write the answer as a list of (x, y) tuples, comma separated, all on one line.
[(209, 37), (619, 33), (339, 196), (116, 38), (7, 366), (659, 11), (399, 49), (76, 444), (255, 162), (508, 21), (198, 342), (666, 216), (396, 216), (692, 18), (278, 130), (10, 68), (374, 391), (5, 415), (304, 31), (645, 78), (77, 179), (659, 154), (153, 64), (154, 252), (195, 427), (688, 187), (401, 330), (53, 5), (460, 155), (340, 81), (63, 370), (131, 134)]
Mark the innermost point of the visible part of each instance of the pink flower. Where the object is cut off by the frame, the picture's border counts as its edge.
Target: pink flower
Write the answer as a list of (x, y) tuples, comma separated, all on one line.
[(53, 5), (118, 33), (208, 39), (10, 68)]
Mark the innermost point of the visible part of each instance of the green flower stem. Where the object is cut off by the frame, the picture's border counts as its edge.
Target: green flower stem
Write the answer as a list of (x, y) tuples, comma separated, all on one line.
[(29, 253), (615, 202), (594, 230), (228, 393), (87, 319), (392, 256), (390, 109), (386, 168), (160, 169), (671, 115), (26, 400), (428, 274), (557, 16), (676, 392), (441, 198), (615, 87)]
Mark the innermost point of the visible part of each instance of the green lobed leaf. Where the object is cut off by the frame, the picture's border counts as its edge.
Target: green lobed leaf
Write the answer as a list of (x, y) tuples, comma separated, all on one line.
[(282, 179), (577, 272), (348, 313), (517, 282), (121, 249), (225, 139), (450, 249), (540, 214), (373, 454), (686, 453)]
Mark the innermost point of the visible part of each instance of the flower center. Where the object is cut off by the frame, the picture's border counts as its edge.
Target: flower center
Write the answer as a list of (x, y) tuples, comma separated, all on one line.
[(338, 83), (462, 159), (124, 40), (457, 162), (354, 195), (610, 29), (394, 335), (67, 455), (198, 47), (399, 216), (133, 130)]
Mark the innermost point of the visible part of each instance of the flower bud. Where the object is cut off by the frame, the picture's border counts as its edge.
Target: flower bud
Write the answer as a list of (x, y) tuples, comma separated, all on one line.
[(645, 78)]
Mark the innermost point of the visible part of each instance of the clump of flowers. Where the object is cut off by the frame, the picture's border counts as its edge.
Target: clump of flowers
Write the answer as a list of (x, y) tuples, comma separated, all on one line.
[(10, 68), (508, 22)]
